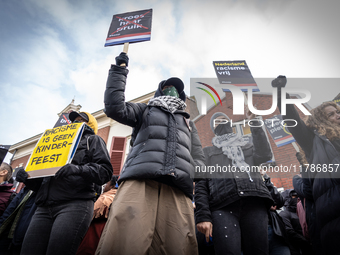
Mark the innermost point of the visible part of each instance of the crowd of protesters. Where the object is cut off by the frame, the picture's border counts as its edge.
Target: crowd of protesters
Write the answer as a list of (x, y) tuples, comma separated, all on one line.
[(160, 206)]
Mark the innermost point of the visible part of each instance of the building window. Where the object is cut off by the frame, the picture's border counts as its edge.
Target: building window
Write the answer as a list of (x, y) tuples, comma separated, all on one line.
[(117, 153)]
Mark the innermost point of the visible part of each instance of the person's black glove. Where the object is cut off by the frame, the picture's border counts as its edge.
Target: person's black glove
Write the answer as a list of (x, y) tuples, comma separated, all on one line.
[(279, 82), (69, 169), (122, 59), (21, 175)]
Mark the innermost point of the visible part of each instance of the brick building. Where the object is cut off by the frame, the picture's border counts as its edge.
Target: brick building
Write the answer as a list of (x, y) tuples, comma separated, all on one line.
[(116, 136), (284, 155)]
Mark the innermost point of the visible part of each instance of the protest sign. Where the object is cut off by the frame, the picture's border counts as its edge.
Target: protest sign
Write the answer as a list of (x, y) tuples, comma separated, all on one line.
[(235, 73), (55, 148), (278, 132), (130, 27), (63, 120), (3, 152)]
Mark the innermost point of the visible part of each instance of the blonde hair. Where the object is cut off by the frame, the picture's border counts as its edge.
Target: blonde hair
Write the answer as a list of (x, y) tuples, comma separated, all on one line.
[(319, 121)]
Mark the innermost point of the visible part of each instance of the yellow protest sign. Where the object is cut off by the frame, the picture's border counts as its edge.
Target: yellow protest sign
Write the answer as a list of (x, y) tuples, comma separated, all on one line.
[(54, 149)]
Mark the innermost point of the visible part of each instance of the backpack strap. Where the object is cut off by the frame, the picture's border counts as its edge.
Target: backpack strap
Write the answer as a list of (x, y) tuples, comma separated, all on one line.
[(10, 219)]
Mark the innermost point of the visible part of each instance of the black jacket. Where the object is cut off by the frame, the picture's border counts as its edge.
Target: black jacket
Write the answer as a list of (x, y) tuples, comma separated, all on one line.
[(214, 193), (275, 194), (93, 158), (166, 147), (303, 188), (292, 224), (325, 185), (273, 217)]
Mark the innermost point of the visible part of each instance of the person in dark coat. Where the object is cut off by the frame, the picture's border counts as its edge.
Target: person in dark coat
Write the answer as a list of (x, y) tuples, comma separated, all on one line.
[(298, 243), (319, 138), (5, 187), (232, 205), (101, 211), (303, 188), (65, 201), (15, 221), (277, 236), (152, 212)]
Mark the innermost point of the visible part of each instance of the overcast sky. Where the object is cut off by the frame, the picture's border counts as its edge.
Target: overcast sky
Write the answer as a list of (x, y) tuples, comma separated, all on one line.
[(53, 51)]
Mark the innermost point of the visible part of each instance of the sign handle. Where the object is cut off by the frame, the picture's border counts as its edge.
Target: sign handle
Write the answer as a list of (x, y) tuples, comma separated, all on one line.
[(295, 147), (245, 98), (125, 49)]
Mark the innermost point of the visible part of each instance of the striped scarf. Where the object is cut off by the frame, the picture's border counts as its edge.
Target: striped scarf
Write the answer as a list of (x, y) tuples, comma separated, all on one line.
[(169, 103)]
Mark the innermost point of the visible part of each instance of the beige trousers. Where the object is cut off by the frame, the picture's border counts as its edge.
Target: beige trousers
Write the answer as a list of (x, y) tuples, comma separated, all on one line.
[(148, 217)]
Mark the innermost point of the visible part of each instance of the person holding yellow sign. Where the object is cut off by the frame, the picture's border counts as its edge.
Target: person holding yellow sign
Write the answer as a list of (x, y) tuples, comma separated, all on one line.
[(65, 201)]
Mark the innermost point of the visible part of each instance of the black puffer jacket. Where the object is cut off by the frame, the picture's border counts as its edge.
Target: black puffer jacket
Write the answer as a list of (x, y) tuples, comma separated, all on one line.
[(325, 185), (166, 147), (92, 157), (214, 193)]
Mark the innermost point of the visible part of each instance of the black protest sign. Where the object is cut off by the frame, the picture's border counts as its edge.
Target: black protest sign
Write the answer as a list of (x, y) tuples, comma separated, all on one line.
[(235, 73), (63, 120), (278, 131), (130, 27), (3, 151)]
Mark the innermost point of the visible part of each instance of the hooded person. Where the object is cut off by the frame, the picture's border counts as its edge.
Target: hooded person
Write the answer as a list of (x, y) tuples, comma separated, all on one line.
[(65, 201), (290, 199), (86, 117), (153, 205), (298, 243), (232, 204)]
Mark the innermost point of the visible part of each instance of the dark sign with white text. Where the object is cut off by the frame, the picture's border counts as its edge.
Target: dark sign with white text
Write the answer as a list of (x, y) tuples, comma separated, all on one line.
[(278, 131), (235, 73), (130, 27), (3, 152), (63, 120)]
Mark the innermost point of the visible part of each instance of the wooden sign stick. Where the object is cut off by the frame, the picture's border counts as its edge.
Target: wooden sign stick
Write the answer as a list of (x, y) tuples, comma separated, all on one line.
[(246, 101), (295, 147), (245, 98), (125, 49)]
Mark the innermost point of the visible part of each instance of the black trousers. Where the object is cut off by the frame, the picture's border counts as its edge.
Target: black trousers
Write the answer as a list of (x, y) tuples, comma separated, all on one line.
[(241, 227), (58, 229)]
